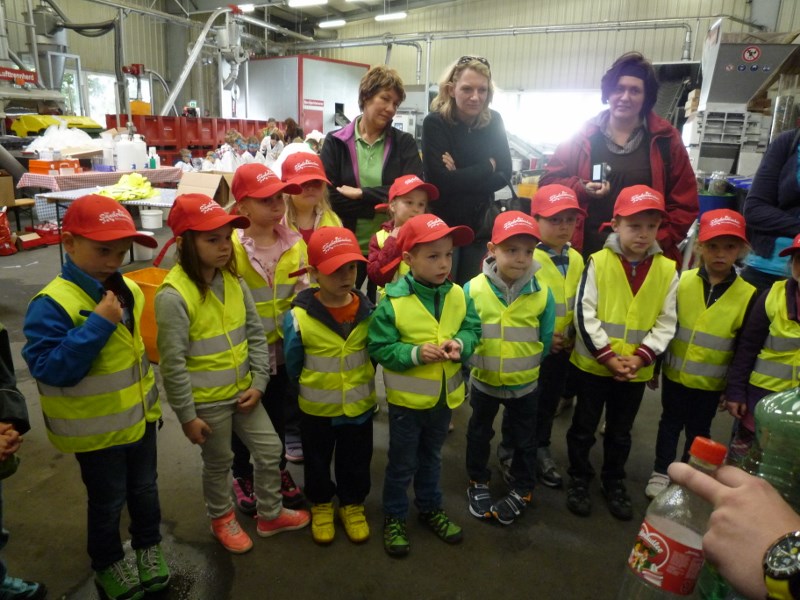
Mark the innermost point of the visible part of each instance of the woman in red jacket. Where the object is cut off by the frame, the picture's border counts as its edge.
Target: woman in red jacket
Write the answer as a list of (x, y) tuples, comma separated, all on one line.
[(638, 147)]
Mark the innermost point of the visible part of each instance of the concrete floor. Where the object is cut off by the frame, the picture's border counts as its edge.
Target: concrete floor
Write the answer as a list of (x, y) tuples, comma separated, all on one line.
[(549, 553)]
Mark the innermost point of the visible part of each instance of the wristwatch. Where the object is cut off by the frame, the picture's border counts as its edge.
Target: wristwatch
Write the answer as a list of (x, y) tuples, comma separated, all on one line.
[(782, 568)]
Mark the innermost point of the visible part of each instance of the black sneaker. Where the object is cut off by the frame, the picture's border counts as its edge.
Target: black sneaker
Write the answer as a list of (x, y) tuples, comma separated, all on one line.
[(480, 500), (395, 539), (546, 469), (510, 507), (440, 524), (578, 500), (619, 502)]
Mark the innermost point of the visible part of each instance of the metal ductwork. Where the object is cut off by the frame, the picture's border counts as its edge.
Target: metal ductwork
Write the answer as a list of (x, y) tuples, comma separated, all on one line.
[(50, 37)]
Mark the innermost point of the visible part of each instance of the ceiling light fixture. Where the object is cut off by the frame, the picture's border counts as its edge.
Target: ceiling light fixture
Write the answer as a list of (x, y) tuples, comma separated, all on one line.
[(332, 23), (395, 16), (247, 8), (303, 3)]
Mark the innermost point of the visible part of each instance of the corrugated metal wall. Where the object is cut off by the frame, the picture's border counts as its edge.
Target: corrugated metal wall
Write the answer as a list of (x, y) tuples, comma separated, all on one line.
[(143, 36), (551, 61)]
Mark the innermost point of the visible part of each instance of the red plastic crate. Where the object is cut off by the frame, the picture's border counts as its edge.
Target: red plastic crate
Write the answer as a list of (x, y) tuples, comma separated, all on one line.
[(198, 131)]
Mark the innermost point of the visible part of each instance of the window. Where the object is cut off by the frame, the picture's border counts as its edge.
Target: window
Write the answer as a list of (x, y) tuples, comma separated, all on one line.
[(103, 93)]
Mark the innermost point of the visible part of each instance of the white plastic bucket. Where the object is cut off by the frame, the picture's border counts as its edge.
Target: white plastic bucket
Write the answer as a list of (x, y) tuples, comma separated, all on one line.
[(151, 218), (143, 252)]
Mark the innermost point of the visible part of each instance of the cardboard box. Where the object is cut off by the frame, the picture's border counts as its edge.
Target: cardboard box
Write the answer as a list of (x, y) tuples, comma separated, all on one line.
[(26, 241), (6, 189), (216, 184)]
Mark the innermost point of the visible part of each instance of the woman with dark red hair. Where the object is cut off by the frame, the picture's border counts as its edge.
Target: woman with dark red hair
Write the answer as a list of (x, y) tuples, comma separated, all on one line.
[(627, 144)]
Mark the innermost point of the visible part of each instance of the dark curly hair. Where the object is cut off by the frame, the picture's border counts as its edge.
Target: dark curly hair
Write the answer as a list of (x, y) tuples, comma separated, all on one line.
[(633, 64)]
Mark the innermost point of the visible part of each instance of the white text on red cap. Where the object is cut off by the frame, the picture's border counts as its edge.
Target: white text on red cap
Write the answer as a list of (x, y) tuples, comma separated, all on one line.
[(208, 207), (262, 177), (331, 245), (305, 165), (644, 196), (727, 219), (560, 196), (434, 223), (115, 215), (413, 179), (518, 221)]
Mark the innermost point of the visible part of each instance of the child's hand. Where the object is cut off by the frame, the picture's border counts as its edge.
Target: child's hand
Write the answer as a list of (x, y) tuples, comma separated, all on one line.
[(109, 307), (737, 409), (723, 403), (618, 368), (196, 430), (452, 349), (248, 400), (429, 353), (653, 383), (557, 345), (10, 440), (634, 363)]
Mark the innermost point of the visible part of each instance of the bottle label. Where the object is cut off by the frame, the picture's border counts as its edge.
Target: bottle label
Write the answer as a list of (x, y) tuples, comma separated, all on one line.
[(664, 562)]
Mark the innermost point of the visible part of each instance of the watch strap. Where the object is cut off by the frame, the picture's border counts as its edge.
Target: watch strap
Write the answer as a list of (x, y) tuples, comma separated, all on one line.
[(778, 589)]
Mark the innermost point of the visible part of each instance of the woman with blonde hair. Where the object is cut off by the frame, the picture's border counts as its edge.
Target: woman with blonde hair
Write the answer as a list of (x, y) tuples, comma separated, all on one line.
[(465, 153)]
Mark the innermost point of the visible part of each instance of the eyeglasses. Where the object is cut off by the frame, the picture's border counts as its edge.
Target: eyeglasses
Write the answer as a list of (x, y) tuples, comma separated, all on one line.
[(467, 59)]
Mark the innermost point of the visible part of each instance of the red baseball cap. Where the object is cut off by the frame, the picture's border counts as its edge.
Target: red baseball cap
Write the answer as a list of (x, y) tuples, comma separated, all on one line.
[(421, 229), (638, 198), (795, 247), (301, 167), (551, 199), (331, 247), (103, 219), (255, 180), (722, 221), (511, 223), (407, 183), (198, 212)]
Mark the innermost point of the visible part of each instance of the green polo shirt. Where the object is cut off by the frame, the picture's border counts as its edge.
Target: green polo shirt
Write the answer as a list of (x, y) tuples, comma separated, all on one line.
[(370, 173)]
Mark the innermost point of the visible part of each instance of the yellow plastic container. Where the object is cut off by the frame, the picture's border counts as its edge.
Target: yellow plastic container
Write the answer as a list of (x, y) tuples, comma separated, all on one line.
[(139, 107), (149, 279)]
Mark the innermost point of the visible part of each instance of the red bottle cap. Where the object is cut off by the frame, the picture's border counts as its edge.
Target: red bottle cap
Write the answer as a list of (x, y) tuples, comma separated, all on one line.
[(708, 450)]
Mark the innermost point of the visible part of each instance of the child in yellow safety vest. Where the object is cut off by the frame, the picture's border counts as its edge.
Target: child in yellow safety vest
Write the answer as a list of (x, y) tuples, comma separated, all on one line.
[(517, 316), (713, 302), (625, 317), (309, 209), (420, 333), (408, 197), (99, 398), (215, 367), (267, 254), (326, 349), (767, 357)]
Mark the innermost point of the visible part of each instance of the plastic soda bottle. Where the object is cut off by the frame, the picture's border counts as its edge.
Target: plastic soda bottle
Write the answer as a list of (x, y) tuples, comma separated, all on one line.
[(667, 556)]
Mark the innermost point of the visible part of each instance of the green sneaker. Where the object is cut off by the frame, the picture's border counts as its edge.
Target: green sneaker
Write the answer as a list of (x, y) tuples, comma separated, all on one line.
[(120, 582), (153, 570), (440, 524), (395, 539)]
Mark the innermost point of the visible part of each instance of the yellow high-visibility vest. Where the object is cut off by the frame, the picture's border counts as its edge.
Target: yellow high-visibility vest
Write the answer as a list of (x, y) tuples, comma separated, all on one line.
[(337, 377), (420, 387), (563, 288), (218, 359), (510, 351), (625, 318), (699, 355), (273, 302), (110, 406), (777, 367)]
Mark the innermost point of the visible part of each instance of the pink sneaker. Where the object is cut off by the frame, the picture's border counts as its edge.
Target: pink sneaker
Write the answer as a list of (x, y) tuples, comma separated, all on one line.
[(227, 530), (244, 496), (290, 492), (287, 520)]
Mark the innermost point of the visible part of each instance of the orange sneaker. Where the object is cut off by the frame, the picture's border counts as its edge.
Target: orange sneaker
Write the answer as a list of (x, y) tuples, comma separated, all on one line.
[(232, 537), (287, 520)]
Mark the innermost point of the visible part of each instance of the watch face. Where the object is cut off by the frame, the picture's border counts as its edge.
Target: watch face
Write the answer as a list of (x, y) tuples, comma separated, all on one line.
[(783, 560)]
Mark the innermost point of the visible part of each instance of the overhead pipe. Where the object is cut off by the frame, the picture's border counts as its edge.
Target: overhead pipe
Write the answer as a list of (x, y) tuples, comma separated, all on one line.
[(419, 57), (193, 56), (275, 28), (157, 76), (32, 41)]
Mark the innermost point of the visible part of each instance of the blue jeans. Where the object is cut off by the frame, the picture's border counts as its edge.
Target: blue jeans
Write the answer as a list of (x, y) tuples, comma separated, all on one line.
[(520, 419), (113, 477), (416, 438)]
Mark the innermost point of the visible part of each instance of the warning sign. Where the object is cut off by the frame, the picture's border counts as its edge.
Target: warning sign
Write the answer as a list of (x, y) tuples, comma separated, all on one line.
[(751, 54)]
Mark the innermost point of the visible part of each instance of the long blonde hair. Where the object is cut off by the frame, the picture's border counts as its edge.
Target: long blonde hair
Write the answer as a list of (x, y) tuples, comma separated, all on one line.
[(322, 207), (445, 104)]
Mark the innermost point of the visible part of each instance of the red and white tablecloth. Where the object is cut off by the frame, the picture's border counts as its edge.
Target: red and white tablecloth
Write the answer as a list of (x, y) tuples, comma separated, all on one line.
[(62, 183)]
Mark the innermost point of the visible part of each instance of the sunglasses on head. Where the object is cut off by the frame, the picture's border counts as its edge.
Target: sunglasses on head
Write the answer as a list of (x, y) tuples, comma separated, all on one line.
[(466, 59)]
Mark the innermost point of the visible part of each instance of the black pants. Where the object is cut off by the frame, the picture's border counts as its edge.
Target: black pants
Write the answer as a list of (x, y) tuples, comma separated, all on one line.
[(274, 401), (683, 409), (520, 419), (350, 448), (361, 275), (621, 401), (552, 378)]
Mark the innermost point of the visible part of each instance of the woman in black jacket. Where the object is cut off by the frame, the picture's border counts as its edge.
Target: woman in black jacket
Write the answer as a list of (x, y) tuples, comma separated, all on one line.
[(363, 158)]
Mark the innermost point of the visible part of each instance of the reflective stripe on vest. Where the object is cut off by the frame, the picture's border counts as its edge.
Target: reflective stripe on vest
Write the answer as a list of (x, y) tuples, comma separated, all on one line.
[(337, 377), (777, 367), (272, 302), (509, 352), (563, 288), (420, 387), (218, 361), (110, 405), (625, 318), (699, 354), (402, 269)]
